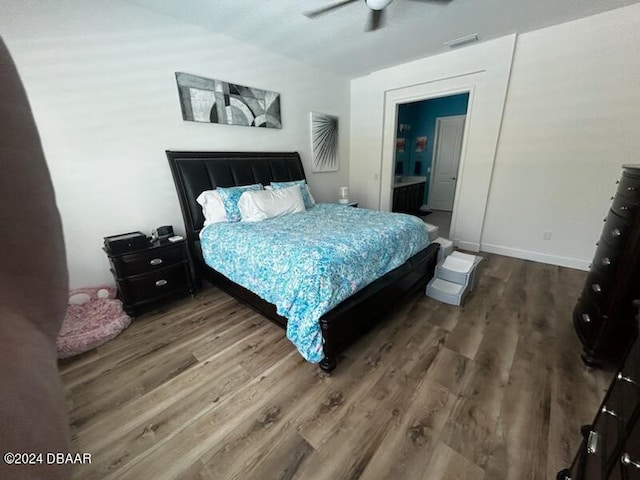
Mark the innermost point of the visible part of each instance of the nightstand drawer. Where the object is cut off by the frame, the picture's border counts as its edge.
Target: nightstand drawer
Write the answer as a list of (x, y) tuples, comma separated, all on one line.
[(149, 260), (156, 284)]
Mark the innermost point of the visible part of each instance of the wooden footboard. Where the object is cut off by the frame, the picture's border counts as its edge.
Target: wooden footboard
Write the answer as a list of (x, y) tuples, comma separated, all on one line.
[(356, 315)]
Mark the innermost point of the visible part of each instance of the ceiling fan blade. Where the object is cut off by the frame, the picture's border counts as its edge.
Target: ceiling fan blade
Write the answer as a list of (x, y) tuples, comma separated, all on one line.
[(376, 20), (323, 10)]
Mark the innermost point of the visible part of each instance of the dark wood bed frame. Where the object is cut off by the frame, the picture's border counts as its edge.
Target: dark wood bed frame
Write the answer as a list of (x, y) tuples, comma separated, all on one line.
[(194, 172)]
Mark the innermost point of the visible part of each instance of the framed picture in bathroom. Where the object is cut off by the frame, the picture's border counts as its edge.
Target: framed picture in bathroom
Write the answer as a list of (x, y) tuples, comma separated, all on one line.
[(421, 144)]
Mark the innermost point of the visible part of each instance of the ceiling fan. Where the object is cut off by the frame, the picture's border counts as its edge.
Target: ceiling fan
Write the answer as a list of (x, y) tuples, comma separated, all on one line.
[(376, 15)]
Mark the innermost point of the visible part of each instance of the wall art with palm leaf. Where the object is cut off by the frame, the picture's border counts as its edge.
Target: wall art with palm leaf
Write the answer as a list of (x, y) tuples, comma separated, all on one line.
[(324, 142)]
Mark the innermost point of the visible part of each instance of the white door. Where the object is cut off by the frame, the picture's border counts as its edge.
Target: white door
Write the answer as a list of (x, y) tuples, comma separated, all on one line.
[(446, 159)]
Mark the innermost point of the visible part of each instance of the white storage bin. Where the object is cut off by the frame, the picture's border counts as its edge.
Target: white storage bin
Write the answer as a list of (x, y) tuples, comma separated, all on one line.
[(459, 268), (446, 292)]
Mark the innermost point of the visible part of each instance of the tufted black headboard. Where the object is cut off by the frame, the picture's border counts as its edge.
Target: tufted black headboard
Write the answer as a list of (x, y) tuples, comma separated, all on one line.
[(195, 172)]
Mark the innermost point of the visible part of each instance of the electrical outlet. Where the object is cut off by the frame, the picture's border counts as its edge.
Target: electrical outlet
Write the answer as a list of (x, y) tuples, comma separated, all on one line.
[(547, 235)]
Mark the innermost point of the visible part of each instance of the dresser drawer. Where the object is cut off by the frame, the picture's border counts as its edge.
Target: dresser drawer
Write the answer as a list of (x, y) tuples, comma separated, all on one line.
[(156, 284), (630, 455), (591, 464), (631, 367), (615, 231), (149, 260), (606, 259), (618, 408), (587, 318), (626, 207), (629, 185), (597, 288)]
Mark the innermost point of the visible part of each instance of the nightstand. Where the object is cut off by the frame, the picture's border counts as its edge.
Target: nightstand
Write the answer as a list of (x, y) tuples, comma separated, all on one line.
[(152, 275)]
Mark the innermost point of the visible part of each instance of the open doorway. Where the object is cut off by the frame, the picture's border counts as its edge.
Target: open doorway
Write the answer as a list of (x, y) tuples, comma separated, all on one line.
[(429, 138)]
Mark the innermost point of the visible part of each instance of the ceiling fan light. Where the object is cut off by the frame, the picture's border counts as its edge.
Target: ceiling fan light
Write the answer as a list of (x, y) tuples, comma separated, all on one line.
[(377, 4)]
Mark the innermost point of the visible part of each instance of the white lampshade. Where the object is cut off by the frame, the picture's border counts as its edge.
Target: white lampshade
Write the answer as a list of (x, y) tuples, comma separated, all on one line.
[(378, 4)]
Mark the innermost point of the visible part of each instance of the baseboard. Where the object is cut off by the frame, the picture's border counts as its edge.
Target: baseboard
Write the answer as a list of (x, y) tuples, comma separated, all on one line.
[(536, 256), (469, 246)]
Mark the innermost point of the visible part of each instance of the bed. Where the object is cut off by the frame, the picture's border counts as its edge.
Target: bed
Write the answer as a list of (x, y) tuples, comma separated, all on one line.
[(195, 172)]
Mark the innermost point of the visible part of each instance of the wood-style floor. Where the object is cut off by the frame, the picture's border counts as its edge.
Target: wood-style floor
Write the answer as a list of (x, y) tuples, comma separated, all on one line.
[(208, 389)]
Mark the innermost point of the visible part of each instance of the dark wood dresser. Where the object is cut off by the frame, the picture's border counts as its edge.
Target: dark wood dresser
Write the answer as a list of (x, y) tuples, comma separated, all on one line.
[(611, 445), (151, 275), (603, 317)]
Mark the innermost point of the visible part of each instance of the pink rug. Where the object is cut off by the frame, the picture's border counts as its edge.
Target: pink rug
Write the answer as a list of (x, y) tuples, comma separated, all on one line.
[(90, 321)]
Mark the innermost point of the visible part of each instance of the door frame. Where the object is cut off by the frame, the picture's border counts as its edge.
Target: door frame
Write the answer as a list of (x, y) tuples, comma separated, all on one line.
[(416, 93), (435, 150)]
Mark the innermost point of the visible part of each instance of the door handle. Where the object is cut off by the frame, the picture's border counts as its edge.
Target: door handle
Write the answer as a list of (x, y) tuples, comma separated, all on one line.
[(453, 178)]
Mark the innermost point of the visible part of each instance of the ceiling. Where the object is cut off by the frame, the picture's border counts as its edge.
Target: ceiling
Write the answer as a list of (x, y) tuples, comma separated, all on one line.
[(337, 41)]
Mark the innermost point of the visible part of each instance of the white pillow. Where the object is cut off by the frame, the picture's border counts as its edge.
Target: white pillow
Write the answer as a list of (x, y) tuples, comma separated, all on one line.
[(306, 185), (303, 184), (259, 205), (212, 207)]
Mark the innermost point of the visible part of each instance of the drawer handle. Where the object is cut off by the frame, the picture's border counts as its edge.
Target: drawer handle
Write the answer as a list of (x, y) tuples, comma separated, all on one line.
[(626, 460), (609, 411), (616, 232), (605, 261), (586, 318), (161, 283), (592, 442), (632, 189), (626, 379), (156, 261), (596, 288), (624, 208)]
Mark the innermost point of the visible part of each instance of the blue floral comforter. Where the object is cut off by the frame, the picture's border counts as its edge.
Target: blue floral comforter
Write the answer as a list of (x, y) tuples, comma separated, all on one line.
[(307, 263)]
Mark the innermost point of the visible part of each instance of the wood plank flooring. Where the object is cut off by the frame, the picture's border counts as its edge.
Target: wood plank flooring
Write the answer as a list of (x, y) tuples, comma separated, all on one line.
[(206, 389)]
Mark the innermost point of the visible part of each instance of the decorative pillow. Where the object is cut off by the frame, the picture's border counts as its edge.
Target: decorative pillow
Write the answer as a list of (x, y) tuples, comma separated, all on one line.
[(212, 207), (304, 188), (256, 206), (230, 197)]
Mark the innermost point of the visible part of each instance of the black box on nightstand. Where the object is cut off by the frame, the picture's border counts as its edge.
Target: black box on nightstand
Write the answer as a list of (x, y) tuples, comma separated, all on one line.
[(125, 242)]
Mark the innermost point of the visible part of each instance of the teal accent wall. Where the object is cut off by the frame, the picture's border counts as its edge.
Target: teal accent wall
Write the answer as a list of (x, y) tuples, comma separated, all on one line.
[(421, 116)]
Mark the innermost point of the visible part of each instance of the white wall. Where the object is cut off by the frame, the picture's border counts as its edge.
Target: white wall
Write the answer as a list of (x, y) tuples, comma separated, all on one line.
[(484, 71), (100, 79), (571, 120)]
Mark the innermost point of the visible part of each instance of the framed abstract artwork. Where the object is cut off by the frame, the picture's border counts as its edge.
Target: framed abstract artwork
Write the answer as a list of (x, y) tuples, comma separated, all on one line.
[(324, 142), (216, 101)]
